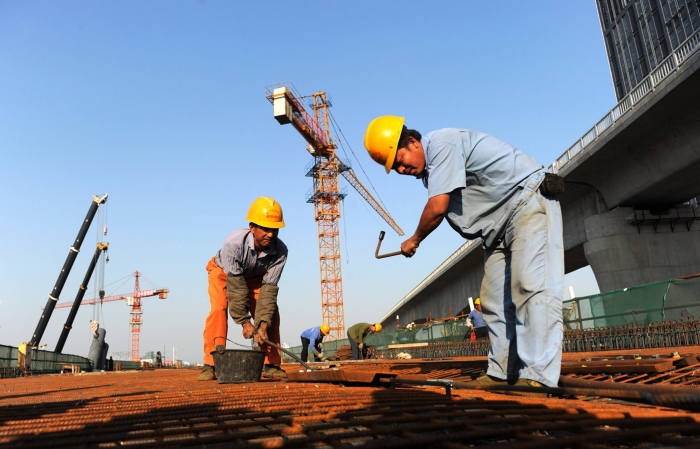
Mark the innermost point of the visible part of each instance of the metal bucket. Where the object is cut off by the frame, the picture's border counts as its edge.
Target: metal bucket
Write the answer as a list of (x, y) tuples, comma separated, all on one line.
[(238, 365)]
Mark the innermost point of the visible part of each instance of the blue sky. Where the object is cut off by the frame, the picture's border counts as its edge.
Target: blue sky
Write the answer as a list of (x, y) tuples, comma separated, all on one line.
[(162, 105)]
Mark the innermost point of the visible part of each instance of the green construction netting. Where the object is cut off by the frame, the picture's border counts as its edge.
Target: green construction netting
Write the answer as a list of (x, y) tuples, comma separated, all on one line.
[(43, 361), (670, 299), (665, 300), (447, 331)]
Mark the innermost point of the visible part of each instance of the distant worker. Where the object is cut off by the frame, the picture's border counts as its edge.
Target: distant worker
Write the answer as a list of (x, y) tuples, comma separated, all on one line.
[(476, 321), (357, 335), (490, 190), (314, 337), (243, 278)]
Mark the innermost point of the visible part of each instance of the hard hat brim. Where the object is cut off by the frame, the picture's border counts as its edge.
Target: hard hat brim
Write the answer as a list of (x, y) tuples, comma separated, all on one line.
[(269, 224)]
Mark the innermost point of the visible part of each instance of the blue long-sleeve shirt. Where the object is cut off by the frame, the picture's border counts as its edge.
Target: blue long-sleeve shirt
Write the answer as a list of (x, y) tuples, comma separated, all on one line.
[(477, 318), (314, 335)]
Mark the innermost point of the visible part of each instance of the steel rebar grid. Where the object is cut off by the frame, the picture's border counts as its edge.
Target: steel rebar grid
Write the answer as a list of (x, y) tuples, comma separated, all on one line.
[(170, 408)]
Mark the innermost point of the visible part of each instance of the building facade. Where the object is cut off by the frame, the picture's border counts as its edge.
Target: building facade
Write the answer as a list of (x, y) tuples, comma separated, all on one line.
[(639, 34)]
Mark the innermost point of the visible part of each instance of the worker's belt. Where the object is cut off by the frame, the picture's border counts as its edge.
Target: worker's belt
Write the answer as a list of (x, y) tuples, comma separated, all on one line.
[(552, 184)]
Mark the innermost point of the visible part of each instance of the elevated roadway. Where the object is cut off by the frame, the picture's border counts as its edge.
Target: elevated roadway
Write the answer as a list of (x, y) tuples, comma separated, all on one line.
[(628, 210)]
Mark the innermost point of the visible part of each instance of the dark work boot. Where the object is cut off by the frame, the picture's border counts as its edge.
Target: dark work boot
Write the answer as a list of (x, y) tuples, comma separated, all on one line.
[(207, 373)]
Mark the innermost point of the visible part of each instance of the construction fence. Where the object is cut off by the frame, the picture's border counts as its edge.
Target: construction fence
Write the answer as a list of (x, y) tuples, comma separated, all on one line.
[(446, 331), (657, 315), (672, 299), (48, 362), (43, 362)]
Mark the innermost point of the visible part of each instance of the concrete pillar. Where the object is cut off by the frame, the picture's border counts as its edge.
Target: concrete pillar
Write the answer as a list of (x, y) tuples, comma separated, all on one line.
[(622, 254)]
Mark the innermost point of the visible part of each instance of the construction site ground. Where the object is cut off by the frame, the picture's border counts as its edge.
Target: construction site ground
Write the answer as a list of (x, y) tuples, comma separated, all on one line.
[(169, 407)]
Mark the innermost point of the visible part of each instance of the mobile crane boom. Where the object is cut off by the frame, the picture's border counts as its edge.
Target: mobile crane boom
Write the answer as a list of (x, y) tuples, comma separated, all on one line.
[(63, 276), (79, 297)]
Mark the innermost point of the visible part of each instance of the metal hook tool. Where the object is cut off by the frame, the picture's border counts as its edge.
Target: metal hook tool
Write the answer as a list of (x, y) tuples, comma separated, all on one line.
[(379, 243)]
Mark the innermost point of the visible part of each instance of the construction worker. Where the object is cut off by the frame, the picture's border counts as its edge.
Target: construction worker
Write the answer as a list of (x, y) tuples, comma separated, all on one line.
[(490, 190), (357, 335), (243, 277), (476, 321), (314, 337)]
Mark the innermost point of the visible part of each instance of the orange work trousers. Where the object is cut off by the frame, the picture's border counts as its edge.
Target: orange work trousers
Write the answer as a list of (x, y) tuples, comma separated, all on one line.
[(216, 324)]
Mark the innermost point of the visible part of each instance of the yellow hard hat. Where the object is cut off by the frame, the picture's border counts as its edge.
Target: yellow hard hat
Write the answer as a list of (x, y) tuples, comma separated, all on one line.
[(377, 327), (382, 139), (477, 301), (325, 329), (266, 212)]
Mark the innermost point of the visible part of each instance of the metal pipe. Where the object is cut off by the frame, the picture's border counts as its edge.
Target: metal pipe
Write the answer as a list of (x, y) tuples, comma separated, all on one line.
[(289, 353), (666, 396), (379, 243)]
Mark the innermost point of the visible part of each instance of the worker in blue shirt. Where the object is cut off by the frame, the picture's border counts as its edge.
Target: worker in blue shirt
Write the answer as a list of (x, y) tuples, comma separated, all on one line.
[(490, 190), (476, 321), (313, 337)]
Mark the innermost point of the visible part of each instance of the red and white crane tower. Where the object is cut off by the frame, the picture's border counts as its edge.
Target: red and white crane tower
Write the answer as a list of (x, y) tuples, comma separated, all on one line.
[(133, 300), (326, 195)]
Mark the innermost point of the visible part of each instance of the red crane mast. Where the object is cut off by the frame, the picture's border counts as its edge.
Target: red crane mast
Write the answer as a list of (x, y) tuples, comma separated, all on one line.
[(326, 194)]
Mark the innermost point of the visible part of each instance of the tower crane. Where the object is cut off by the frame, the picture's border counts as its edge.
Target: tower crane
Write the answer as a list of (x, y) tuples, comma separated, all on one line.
[(133, 299), (326, 194)]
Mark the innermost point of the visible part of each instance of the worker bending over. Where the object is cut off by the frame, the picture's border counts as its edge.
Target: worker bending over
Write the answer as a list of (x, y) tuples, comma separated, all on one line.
[(243, 278), (357, 335), (476, 321), (314, 337), (492, 191)]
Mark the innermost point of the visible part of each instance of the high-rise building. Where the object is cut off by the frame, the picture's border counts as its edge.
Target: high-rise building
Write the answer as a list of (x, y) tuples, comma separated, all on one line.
[(639, 34)]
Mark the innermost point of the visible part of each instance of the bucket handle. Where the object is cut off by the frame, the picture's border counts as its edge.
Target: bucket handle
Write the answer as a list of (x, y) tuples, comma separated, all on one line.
[(220, 348)]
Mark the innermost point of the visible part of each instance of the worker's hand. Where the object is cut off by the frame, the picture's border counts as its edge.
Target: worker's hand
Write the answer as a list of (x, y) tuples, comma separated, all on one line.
[(319, 346), (409, 247), (321, 357), (261, 334), (248, 330), (361, 345)]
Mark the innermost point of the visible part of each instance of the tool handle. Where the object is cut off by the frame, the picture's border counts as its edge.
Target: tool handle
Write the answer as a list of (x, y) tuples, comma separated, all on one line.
[(379, 243), (289, 353)]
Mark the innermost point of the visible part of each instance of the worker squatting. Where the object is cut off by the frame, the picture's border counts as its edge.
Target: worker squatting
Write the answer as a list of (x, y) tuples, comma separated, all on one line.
[(243, 278)]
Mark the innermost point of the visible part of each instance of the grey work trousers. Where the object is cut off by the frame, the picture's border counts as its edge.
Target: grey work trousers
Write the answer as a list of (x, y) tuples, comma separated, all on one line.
[(522, 292)]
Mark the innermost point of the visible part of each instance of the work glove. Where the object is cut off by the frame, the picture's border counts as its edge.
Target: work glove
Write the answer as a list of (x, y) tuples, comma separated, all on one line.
[(321, 357), (237, 295), (266, 304), (361, 346)]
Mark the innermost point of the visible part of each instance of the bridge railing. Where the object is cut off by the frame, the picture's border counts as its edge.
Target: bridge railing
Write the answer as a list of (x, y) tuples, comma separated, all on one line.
[(648, 84)]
